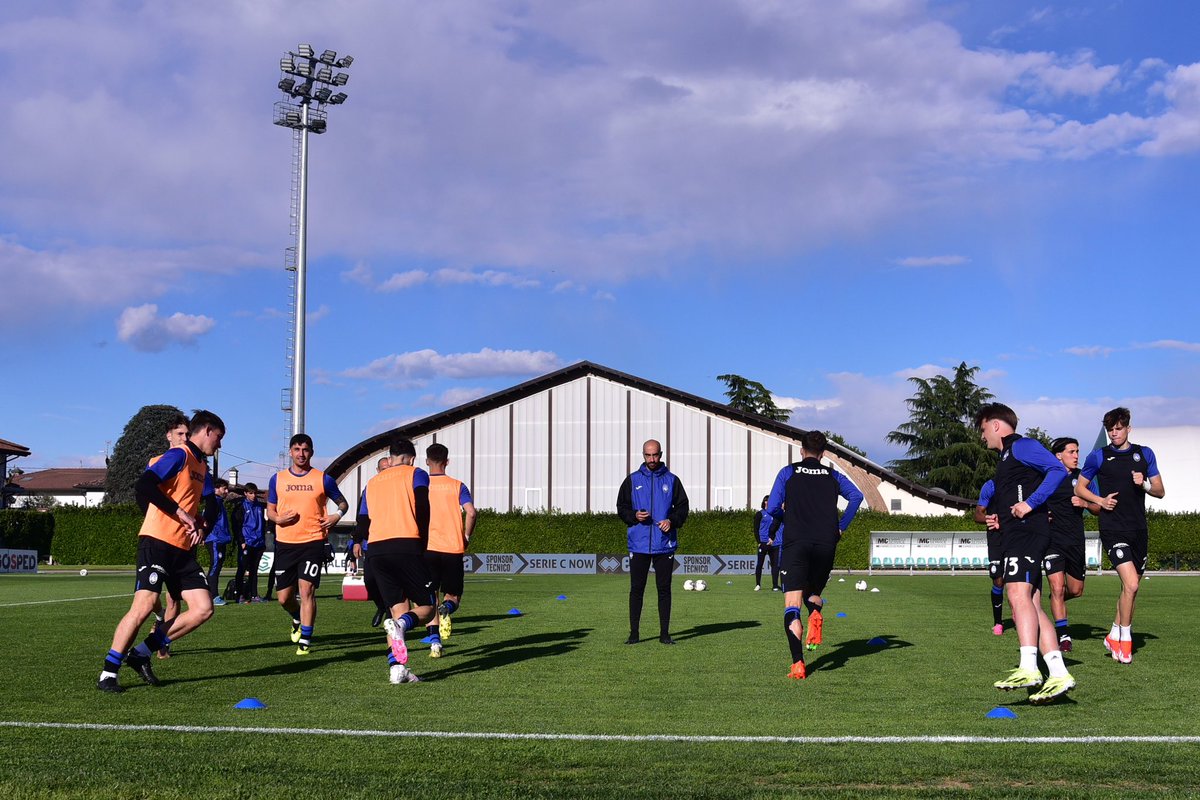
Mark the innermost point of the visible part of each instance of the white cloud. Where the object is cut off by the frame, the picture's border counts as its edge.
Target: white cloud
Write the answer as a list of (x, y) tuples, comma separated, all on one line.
[(142, 328), (488, 277), (933, 261), (1090, 351), (404, 280), (453, 397), (362, 274), (321, 313), (1174, 344), (413, 368)]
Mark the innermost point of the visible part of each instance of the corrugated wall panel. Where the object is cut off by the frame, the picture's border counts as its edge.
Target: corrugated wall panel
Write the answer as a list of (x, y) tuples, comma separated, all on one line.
[(768, 455), (687, 456), (457, 438), (568, 458), (491, 460), (728, 464), (609, 442), (531, 452)]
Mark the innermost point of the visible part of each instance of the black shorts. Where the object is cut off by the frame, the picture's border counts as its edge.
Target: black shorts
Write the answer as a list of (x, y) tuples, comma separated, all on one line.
[(403, 576), (995, 554), (161, 565), (1126, 547), (805, 566), (298, 562), (1066, 558), (1022, 554), (446, 569)]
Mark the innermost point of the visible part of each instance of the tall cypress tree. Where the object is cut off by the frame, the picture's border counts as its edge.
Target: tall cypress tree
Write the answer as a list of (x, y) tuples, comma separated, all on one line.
[(143, 438)]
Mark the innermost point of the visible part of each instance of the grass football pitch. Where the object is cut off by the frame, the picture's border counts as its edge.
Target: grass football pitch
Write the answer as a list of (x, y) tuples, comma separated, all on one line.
[(552, 703)]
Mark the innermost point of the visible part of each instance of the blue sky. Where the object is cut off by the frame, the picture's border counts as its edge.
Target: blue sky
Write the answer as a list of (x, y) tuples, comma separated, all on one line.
[(827, 198)]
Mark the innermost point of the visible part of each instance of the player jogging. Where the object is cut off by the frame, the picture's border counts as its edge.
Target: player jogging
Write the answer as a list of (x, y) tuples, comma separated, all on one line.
[(1125, 473), (297, 500), (449, 535), (169, 492), (805, 498), (1066, 561), (1025, 476), (982, 509), (394, 513)]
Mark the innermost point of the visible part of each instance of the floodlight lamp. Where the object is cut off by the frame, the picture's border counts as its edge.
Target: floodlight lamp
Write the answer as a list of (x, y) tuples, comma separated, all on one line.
[(293, 119), (328, 57), (303, 90), (322, 95), (340, 79), (324, 74), (304, 68), (344, 62), (286, 85), (286, 64), (305, 50), (338, 99), (318, 126)]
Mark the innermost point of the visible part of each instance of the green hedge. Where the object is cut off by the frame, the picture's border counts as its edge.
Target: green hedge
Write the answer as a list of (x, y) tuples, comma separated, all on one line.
[(103, 535), (27, 530), (108, 535)]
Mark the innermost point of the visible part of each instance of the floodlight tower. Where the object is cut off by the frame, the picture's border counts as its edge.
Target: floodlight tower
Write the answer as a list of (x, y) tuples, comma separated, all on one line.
[(308, 85)]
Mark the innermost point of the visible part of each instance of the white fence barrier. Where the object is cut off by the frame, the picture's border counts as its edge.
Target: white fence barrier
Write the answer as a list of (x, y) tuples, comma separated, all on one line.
[(952, 550)]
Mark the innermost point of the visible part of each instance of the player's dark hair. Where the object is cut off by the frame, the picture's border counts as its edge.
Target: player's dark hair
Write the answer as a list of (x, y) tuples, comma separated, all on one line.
[(250, 487), (766, 497), (402, 447), (205, 419), (220, 483), (176, 420), (437, 453), (301, 438), (1060, 444), (814, 443), (1119, 415), (998, 411)]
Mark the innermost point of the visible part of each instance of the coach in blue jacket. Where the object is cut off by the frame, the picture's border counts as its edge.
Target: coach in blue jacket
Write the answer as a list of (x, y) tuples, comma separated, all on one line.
[(654, 506)]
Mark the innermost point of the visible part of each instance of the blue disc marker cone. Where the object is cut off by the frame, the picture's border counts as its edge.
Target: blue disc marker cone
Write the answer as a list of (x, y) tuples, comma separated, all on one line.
[(1000, 712), (841, 613), (878, 641), (251, 702), (514, 612), (561, 597)]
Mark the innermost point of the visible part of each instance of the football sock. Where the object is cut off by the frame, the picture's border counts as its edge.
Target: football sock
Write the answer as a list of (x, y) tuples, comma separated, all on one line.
[(997, 604), (814, 608), (305, 634), (1029, 657), (1125, 632), (1054, 663), (112, 663), (407, 621), (1060, 627), (1115, 633), (449, 607), (155, 641), (794, 644), (391, 658)]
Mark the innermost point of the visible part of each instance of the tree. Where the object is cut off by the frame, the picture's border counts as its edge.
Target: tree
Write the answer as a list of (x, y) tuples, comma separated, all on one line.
[(747, 395), (944, 448), (837, 439), (144, 438), (1040, 435)]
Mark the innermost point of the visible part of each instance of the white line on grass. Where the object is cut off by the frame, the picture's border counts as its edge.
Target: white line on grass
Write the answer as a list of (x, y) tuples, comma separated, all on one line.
[(604, 737), (63, 600)]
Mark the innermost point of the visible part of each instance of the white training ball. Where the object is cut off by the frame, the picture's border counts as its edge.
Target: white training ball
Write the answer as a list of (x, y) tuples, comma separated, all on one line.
[(701, 586), (688, 585), (83, 572), (861, 586)]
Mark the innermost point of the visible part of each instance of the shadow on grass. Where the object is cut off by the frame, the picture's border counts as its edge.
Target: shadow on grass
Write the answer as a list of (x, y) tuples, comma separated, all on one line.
[(511, 651), (855, 648), (711, 628)]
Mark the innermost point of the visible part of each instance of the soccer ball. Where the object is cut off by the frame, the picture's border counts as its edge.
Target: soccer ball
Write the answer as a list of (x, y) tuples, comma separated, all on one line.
[(83, 573), (861, 586), (701, 586), (688, 585)]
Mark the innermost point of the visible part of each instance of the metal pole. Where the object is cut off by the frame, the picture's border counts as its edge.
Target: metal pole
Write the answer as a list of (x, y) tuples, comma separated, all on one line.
[(301, 275)]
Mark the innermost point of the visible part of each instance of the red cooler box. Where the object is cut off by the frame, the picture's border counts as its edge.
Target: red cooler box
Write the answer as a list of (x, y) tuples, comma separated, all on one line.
[(353, 589)]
